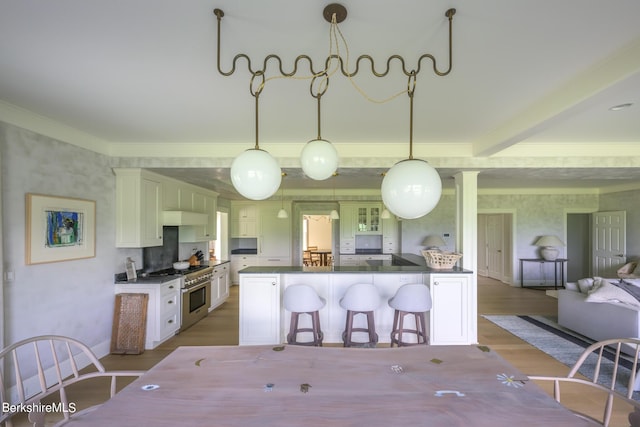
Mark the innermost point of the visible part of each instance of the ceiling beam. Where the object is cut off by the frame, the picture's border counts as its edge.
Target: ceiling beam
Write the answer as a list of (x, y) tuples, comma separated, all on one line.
[(577, 94)]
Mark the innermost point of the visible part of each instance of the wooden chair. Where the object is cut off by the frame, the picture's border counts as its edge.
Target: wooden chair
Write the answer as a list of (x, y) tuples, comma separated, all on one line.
[(315, 258), (43, 368), (606, 356), (306, 258)]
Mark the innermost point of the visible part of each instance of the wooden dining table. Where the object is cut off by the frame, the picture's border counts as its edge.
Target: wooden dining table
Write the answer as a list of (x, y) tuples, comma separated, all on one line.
[(332, 386), (323, 254)]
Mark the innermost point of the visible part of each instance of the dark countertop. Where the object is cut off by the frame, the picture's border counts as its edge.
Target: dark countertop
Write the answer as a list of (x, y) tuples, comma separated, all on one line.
[(350, 269), (412, 264), (244, 252), (142, 278)]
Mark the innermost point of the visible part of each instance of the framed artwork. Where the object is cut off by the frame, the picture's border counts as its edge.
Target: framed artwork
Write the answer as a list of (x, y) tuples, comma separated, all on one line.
[(59, 229)]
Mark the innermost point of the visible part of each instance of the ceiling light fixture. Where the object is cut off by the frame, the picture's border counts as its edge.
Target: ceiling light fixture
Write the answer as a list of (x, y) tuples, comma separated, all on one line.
[(412, 187), (255, 173), (282, 213), (621, 106), (334, 213), (319, 157)]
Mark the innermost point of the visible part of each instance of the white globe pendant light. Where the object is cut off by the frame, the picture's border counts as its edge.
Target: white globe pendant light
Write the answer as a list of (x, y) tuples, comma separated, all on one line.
[(255, 174), (412, 187), (319, 157)]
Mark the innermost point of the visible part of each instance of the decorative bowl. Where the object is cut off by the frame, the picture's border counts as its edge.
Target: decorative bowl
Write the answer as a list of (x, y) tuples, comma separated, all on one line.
[(181, 265)]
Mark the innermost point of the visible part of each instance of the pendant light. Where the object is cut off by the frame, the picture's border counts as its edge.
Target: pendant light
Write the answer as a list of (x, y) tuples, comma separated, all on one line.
[(334, 213), (282, 213), (412, 187), (255, 174), (319, 157)]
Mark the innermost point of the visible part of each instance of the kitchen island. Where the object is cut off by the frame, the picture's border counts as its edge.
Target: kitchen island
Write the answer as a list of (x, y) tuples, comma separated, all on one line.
[(263, 320)]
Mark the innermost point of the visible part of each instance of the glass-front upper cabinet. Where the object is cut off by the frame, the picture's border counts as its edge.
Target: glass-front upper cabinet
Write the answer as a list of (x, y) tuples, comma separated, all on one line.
[(368, 217)]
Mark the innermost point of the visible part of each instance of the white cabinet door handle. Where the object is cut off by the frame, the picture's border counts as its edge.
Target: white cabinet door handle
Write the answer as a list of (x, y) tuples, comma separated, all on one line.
[(436, 283)]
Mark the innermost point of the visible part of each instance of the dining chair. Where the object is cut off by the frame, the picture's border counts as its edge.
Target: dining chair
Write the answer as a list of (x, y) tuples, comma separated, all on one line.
[(306, 258), (604, 366), (44, 367), (315, 258)]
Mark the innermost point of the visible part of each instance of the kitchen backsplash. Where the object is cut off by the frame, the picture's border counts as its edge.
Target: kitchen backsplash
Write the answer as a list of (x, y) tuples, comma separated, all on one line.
[(369, 242)]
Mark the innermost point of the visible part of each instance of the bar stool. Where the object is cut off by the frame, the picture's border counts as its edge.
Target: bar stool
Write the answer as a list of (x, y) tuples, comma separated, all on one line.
[(361, 298), (414, 299), (303, 299)]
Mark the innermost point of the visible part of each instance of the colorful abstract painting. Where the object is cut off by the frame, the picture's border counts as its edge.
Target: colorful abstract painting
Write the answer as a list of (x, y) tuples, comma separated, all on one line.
[(64, 228)]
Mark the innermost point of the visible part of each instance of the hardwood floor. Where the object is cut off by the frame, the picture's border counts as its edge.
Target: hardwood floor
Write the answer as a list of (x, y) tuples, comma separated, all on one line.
[(221, 328)]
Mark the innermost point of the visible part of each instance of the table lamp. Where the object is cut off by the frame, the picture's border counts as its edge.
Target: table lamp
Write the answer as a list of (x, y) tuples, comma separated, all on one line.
[(548, 250), (433, 242)]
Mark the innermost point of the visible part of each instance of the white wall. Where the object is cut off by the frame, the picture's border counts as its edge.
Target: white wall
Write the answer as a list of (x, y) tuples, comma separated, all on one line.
[(73, 298), (320, 231)]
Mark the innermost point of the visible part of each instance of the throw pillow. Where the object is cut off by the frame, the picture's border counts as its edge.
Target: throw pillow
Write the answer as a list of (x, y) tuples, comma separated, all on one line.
[(572, 286), (585, 285), (636, 272), (604, 291)]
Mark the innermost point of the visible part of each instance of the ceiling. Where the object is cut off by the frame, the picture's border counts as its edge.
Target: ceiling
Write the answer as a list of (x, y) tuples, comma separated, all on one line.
[(526, 103)]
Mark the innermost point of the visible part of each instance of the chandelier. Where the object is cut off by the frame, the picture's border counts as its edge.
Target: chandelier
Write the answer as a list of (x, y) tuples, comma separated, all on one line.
[(411, 188)]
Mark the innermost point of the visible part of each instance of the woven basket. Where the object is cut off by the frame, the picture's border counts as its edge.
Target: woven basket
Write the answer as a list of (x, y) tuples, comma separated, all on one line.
[(440, 260)]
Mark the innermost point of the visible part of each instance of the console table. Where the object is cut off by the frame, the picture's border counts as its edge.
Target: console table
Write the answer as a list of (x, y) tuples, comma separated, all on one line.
[(556, 262)]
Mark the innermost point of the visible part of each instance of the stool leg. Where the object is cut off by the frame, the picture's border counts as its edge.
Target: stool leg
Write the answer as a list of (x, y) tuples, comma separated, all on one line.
[(293, 327), (394, 328), (401, 329), (346, 336), (317, 332), (373, 337), (423, 328)]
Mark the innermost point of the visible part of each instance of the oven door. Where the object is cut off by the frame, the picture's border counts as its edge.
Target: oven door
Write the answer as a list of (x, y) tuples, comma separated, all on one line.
[(195, 304)]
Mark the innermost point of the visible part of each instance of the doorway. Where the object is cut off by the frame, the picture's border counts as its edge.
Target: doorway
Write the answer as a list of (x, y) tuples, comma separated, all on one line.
[(317, 231), (495, 246), (578, 246)]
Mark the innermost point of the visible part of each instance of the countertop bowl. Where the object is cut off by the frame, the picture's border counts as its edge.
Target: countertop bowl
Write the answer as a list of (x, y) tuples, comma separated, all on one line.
[(181, 265)]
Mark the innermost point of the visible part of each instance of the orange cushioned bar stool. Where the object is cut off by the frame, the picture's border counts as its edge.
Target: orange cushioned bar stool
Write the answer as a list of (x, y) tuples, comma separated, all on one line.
[(361, 298), (303, 299), (410, 299)]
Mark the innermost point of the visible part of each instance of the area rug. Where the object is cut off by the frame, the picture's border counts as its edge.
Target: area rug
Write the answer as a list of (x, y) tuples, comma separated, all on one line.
[(564, 346)]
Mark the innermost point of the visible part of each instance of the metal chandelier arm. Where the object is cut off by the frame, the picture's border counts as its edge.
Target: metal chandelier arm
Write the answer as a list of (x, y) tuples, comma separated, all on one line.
[(449, 14)]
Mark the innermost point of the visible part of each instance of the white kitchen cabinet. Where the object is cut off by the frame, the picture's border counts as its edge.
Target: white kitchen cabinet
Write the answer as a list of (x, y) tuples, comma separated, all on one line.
[(244, 220), (138, 208), (390, 235), (163, 309), (452, 318), (259, 309), (238, 262), (368, 218), (206, 204), (220, 284), (347, 228)]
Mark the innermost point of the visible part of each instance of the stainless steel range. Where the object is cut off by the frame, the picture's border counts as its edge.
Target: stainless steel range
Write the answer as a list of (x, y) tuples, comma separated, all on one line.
[(196, 294)]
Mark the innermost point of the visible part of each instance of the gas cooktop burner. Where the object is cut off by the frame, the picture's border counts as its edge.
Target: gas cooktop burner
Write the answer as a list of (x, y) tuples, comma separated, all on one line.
[(174, 272)]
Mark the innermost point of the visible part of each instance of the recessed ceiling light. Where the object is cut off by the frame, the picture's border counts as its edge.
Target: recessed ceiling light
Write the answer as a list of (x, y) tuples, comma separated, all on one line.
[(621, 106)]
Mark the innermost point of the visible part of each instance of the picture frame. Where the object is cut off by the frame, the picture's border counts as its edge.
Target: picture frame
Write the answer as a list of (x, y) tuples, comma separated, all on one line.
[(59, 228)]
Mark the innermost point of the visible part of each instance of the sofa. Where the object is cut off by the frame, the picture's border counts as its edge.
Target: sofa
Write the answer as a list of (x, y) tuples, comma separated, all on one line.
[(599, 310)]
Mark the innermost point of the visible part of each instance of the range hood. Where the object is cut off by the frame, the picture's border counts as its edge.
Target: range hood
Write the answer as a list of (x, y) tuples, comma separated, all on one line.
[(184, 218)]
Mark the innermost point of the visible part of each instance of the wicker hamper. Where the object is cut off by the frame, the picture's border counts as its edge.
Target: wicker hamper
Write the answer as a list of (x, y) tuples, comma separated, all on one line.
[(440, 260)]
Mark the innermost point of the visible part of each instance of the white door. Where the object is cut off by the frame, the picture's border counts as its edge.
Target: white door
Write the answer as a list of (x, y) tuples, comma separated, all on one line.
[(494, 227), (609, 242)]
